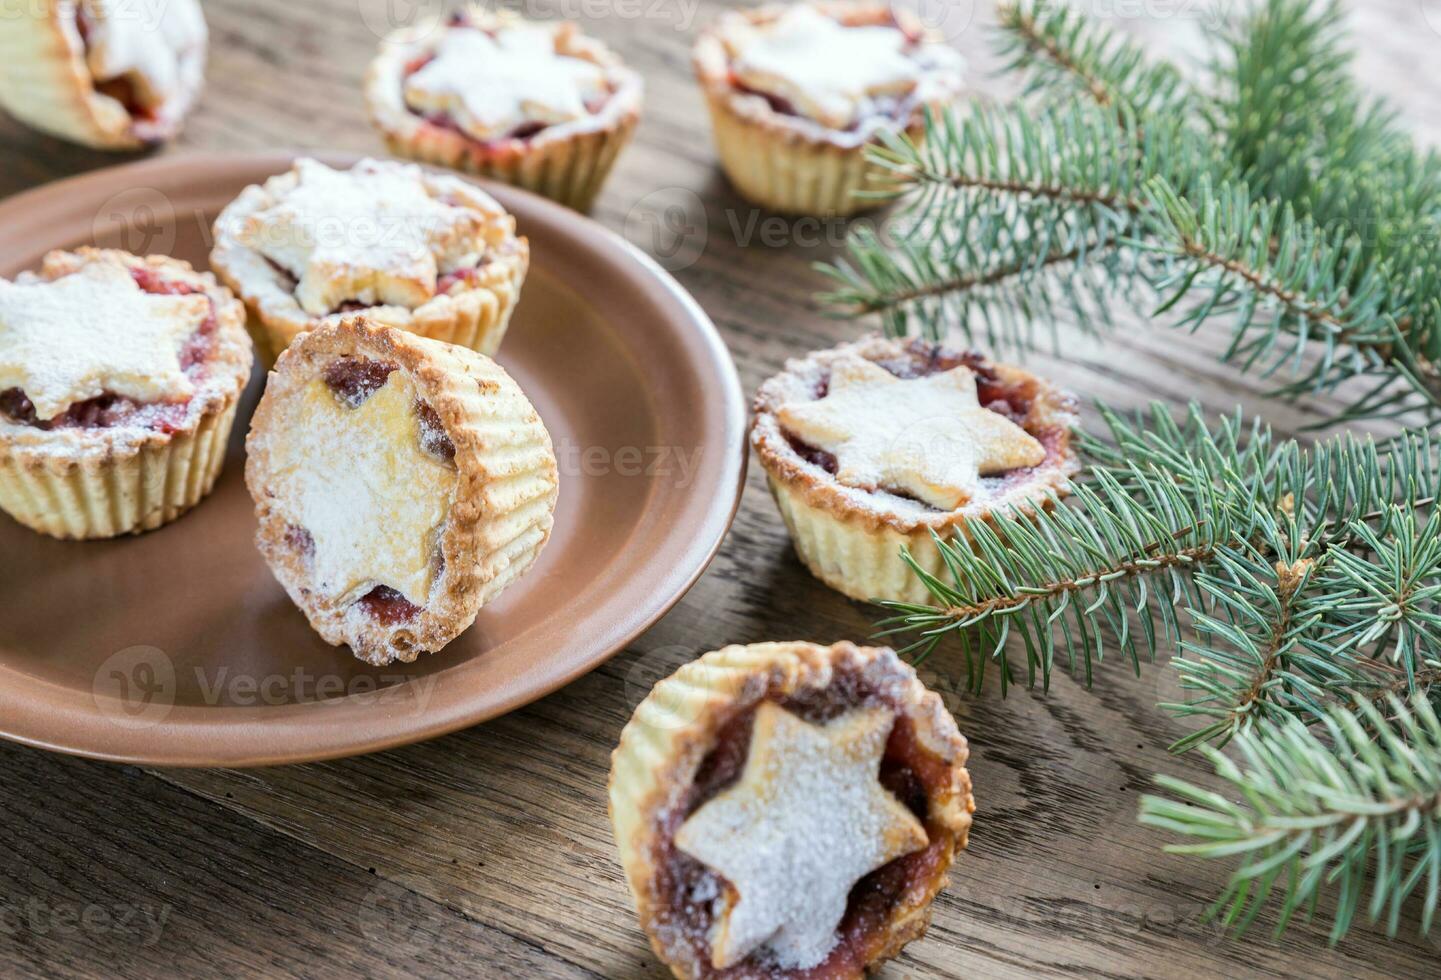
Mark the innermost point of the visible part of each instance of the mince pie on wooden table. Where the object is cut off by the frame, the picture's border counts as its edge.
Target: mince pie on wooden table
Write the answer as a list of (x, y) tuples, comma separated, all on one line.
[(871, 446), (401, 483), (119, 383), (796, 93), (430, 254), (788, 810), (112, 74), (540, 106)]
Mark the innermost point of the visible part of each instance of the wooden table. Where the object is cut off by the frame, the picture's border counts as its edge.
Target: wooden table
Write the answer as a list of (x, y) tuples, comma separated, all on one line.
[(488, 853)]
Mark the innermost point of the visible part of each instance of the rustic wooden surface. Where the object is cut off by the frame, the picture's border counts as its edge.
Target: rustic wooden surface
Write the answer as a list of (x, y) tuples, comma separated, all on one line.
[(488, 853)]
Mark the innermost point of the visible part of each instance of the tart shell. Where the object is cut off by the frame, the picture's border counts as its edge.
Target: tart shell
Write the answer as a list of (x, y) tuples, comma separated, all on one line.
[(850, 541), (475, 316), (793, 165), (505, 496), (568, 163), (678, 724), (45, 83), (86, 484)]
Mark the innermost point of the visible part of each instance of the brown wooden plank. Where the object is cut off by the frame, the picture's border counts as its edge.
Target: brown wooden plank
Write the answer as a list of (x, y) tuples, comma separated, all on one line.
[(492, 847)]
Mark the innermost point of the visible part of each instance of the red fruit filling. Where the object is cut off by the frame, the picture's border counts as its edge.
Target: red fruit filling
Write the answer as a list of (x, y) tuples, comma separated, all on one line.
[(121, 89), (908, 770), (1014, 400), (355, 379), (300, 540), (388, 607), (110, 410), (433, 438)]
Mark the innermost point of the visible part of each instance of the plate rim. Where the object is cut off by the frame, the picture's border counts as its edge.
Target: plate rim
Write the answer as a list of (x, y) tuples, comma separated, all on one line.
[(187, 743)]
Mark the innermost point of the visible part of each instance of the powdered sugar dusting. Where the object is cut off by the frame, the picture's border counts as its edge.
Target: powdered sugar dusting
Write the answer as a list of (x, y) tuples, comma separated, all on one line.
[(492, 83), (373, 235), (94, 332), (360, 483), (145, 41), (806, 821)]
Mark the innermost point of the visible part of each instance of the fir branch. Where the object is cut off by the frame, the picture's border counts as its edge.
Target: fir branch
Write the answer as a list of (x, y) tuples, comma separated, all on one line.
[(1322, 812)]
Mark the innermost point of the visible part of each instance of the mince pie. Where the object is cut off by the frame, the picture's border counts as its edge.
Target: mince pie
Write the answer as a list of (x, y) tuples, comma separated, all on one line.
[(540, 106), (113, 74), (797, 93), (430, 254), (119, 383), (401, 483), (872, 446), (788, 810)]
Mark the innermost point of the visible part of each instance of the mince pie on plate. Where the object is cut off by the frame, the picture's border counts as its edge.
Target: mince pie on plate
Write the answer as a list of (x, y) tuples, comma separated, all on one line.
[(796, 93), (401, 483), (112, 74), (430, 254), (788, 810), (540, 106), (871, 446), (119, 382)]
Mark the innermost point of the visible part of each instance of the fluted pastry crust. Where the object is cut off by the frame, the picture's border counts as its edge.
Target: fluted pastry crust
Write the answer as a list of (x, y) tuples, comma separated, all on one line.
[(504, 499), (87, 483), (791, 164), (45, 83), (475, 313), (566, 162), (675, 728), (851, 538)]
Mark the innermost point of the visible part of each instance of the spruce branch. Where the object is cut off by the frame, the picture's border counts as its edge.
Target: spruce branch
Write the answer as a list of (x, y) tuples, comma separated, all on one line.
[(1353, 808)]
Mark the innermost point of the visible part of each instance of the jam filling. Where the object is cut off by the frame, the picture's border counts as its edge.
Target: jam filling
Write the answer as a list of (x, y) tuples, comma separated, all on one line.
[(110, 410), (1013, 400), (908, 770), (355, 379), (120, 89), (510, 142), (388, 607)]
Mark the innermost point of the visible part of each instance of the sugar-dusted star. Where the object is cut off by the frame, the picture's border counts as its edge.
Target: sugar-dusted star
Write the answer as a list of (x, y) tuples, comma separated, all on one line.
[(372, 234), (828, 69), (360, 481), (807, 820), (94, 332), (490, 84), (927, 437)]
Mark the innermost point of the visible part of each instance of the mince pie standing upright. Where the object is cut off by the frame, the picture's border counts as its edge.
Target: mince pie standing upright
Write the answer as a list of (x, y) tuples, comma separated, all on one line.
[(540, 106), (401, 483), (788, 810), (430, 254), (119, 383), (870, 447), (797, 93), (112, 74)]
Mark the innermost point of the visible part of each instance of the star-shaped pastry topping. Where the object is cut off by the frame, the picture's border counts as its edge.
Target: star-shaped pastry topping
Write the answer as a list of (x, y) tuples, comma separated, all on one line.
[(360, 482), (94, 332), (807, 820), (926, 437), (144, 40), (372, 234), (824, 68), (492, 84)]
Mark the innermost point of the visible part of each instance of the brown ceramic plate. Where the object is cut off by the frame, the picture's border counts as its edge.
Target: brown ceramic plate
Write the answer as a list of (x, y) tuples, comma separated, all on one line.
[(178, 647)]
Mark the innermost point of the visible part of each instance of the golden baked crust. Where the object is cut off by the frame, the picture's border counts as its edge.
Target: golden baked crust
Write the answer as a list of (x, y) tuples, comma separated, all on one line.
[(677, 726), (474, 312), (851, 538), (45, 82), (792, 164), (566, 162), (87, 483), (501, 513)]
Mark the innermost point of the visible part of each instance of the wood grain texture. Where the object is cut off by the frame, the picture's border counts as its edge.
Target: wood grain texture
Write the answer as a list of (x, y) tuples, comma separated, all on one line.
[(488, 853)]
